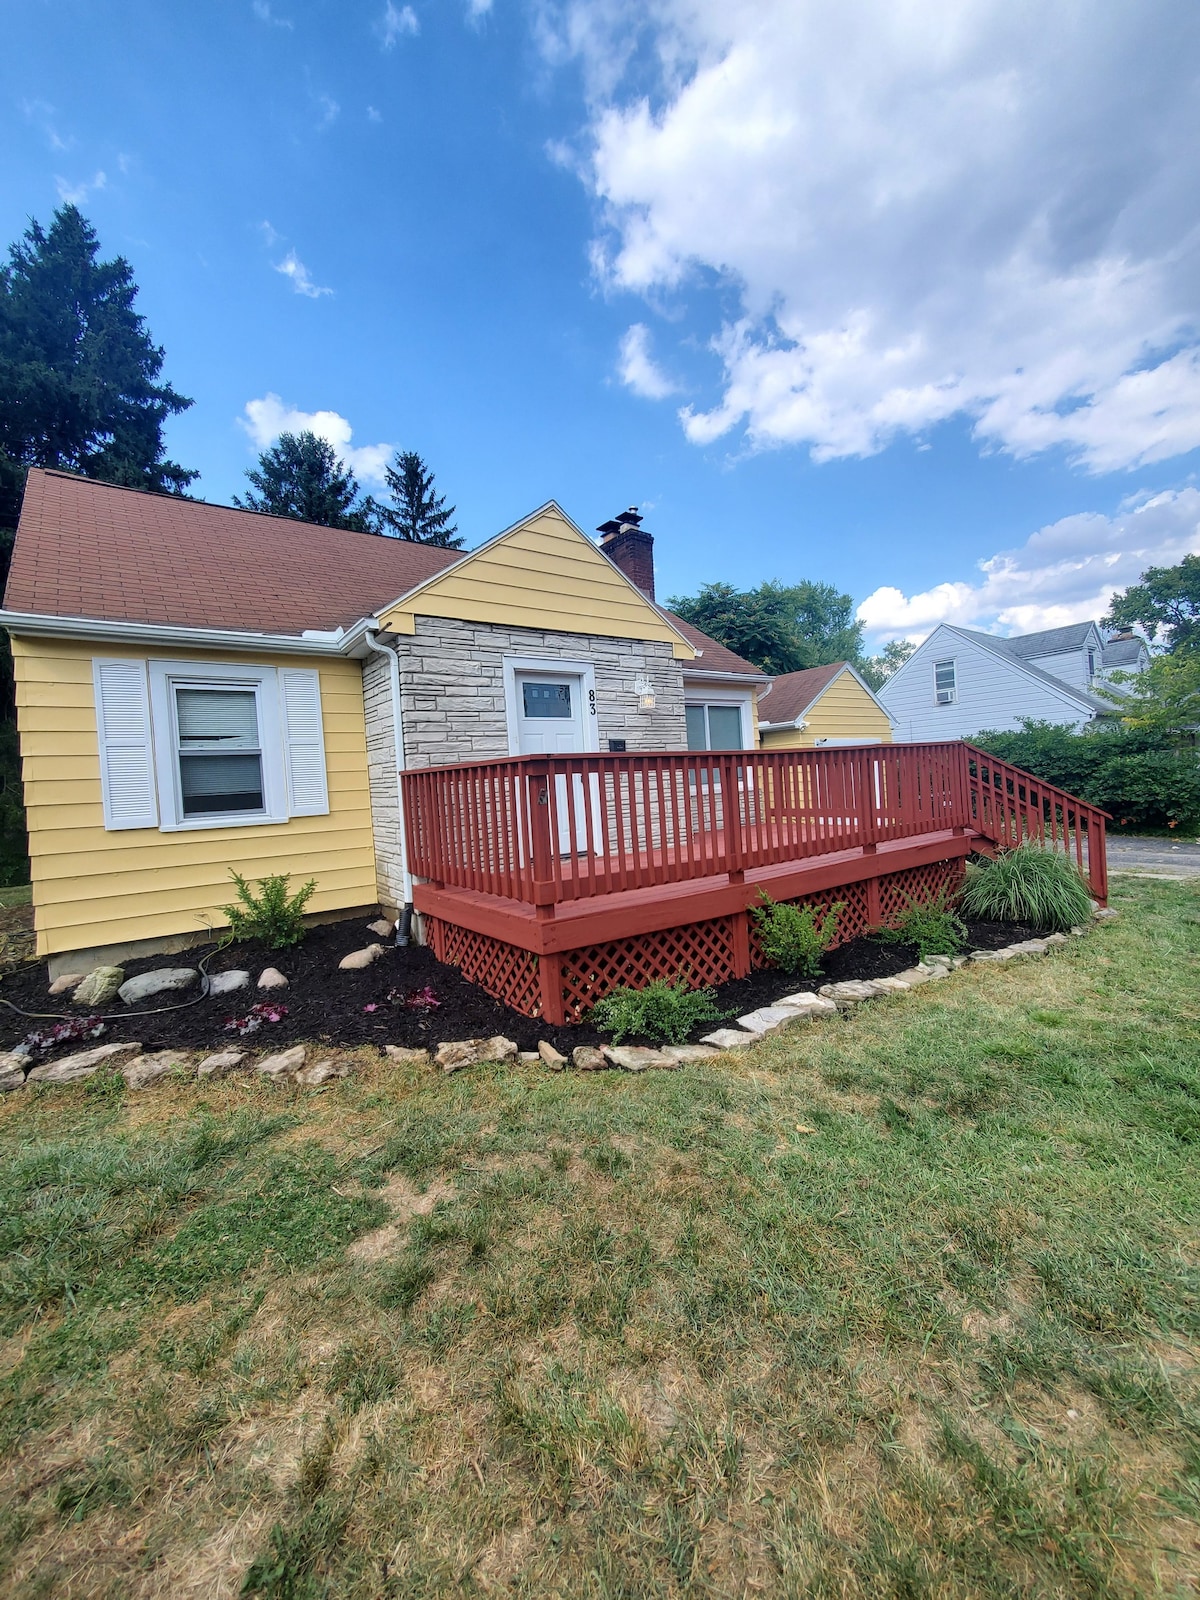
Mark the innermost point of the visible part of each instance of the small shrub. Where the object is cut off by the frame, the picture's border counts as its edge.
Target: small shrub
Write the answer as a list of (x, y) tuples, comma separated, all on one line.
[(665, 1012), (270, 916), (792, 938), (931, 925), (1030, 884)]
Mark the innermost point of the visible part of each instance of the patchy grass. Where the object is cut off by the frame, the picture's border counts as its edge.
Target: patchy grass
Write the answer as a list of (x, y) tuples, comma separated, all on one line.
[(606, 1336)]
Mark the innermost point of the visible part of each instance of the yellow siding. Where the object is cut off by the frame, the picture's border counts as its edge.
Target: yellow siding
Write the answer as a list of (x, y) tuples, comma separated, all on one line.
[(844, 711), (91, 887), (544, 574)]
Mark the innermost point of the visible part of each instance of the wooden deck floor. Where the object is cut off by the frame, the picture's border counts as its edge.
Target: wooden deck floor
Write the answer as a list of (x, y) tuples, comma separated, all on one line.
[(576, 923)]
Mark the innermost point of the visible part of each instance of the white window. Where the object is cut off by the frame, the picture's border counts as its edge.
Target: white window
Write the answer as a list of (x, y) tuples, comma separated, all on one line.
[(188, 745), (715, 726), (1091, 664), (945, 684)]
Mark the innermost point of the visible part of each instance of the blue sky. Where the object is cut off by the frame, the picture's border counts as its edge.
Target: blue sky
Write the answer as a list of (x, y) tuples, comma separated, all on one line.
[(868, 294)]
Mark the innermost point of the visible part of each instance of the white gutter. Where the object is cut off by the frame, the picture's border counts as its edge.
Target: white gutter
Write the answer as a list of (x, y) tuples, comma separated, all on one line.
[(33, 624), (371, 640)]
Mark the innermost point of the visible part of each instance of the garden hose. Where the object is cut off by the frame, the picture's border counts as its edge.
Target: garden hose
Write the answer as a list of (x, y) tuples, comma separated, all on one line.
[(119, 1016)]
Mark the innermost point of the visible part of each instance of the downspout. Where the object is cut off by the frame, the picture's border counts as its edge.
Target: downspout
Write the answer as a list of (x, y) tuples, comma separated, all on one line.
[(371, 638)]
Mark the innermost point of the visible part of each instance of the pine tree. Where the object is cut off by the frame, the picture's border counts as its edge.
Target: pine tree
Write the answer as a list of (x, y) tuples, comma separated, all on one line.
[(417, 512), (301, 477), (79, 372)]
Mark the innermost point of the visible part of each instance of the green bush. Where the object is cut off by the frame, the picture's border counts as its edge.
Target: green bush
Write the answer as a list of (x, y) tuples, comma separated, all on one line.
[(931, 925), (792, 938), (1042, 888), (270, 916), (1128, 772), (665, 1012)]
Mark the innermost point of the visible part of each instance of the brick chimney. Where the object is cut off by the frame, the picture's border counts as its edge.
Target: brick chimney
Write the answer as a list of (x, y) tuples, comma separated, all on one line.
[(626, 543)]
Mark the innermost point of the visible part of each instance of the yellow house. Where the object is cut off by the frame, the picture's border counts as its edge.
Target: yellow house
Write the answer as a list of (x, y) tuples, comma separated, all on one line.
[(823, 706), (201, 688)]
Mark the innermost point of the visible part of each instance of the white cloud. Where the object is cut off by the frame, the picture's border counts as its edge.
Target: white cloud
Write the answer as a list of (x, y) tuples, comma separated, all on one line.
[(373, 115), (958, 209), (330, 112), (74, 194), (1066, 572), (264, 420), (478, 9), (44, 114), (396, 23), (637, 366), (262, 10), (298, 274)]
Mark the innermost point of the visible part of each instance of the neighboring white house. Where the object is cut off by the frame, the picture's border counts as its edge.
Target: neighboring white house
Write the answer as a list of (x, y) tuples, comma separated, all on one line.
[(959, 682)]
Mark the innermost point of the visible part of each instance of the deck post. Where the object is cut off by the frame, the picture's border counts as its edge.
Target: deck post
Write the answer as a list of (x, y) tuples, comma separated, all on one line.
[(731, 808), (539, 789), (554, 1010)]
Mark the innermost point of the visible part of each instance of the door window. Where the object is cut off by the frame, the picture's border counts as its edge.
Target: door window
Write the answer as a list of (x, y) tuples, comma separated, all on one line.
[(547, 699)]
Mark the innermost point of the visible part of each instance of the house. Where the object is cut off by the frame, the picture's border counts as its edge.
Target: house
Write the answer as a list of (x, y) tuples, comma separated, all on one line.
[(960, 682), (200, 688), (828, 705)]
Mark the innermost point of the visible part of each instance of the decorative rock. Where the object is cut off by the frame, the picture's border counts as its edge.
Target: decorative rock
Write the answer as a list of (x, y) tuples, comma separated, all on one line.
[(913, 976), (817, 1005), (935, 969), (283, 1064), (892, 985), (586, 1058), (768, 1018), (635, 1058), (272, 978), (81, 1065), (853, 991), (959, 961), (1104, 913), (1079, 932), (471, 1052), (528, 1057), (731, 1039), (1029, 947), (162, 980), (12, 1073), (68, 981), (100, 985), (553, 1058), (217, 1066), (404, 1056), (939, 961), (227, 982), (1053, 940), (990, 955), (383, 928), (680, 1055), (322, 1072), (145, 1070), (357, 959)]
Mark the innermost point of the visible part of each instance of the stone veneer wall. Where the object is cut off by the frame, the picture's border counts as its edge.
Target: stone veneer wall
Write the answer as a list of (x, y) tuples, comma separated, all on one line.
[(452, 689), (381, 774)]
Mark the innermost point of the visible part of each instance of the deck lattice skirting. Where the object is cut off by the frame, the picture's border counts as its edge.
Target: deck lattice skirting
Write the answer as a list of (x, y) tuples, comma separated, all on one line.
[(552, 881)]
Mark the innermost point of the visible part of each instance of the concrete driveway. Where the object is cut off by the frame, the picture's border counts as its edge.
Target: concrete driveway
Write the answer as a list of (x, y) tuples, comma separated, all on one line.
[(1159, 858)]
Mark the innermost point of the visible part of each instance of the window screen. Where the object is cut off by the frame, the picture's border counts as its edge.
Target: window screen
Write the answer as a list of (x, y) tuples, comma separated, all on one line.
[(546, 699), (220, 758), (714, 727)]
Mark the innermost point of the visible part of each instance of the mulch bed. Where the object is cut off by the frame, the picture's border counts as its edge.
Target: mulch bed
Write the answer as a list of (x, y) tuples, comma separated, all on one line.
[(329, 1006)]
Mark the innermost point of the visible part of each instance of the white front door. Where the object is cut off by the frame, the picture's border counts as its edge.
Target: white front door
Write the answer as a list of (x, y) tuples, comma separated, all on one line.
[(550, 722)]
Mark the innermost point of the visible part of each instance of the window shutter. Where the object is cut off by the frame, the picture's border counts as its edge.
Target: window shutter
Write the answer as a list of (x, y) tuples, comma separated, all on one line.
[(303, 741), (126, 746)]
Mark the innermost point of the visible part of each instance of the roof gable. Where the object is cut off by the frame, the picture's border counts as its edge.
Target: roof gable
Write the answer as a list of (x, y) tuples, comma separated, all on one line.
[(792, 693), (998, 647), (543, 572), (99, 551)]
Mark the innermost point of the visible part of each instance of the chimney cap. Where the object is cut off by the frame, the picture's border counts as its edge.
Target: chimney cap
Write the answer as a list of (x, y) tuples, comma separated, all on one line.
[(627, 519)]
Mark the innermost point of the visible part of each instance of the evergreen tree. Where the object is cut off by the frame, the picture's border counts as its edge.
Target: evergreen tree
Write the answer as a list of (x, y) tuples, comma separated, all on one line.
[(417, 512), (79, 372), (779, 627), (301, 477)]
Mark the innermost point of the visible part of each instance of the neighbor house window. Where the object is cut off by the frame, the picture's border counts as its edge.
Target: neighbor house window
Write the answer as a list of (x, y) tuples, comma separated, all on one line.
[(945, 684), (714, 727), (1091, 663)]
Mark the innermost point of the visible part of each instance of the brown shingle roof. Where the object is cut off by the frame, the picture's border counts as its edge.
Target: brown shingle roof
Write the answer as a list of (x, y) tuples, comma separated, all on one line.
[(95, 550), (793, 692), (714, 656)]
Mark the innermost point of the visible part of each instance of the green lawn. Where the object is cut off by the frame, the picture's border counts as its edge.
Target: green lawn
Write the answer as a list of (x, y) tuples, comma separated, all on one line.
[(19, 895), (905, 1304)]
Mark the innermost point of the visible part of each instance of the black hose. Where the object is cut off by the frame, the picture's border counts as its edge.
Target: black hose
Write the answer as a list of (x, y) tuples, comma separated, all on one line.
[(121, 1016)]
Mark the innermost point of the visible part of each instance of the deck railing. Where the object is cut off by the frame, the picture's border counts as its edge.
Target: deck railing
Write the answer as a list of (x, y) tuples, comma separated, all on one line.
[(549, 829)]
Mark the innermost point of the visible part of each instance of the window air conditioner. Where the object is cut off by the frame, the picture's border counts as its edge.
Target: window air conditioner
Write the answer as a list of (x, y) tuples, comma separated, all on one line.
[(945, 697)]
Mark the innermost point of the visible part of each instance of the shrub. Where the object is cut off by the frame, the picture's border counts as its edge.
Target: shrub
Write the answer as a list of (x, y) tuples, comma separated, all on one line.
[(1029, 884), (931, 925), (665, 1012), (270, 916), (1128, 772), (791, 936)]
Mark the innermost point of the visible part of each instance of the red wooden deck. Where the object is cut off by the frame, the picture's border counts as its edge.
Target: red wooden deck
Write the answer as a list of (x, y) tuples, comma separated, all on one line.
[(551, 879)]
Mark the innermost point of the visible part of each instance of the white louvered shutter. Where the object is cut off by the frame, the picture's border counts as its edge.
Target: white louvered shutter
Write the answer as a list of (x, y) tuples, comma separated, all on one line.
[(126, 744), (303, 741)]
